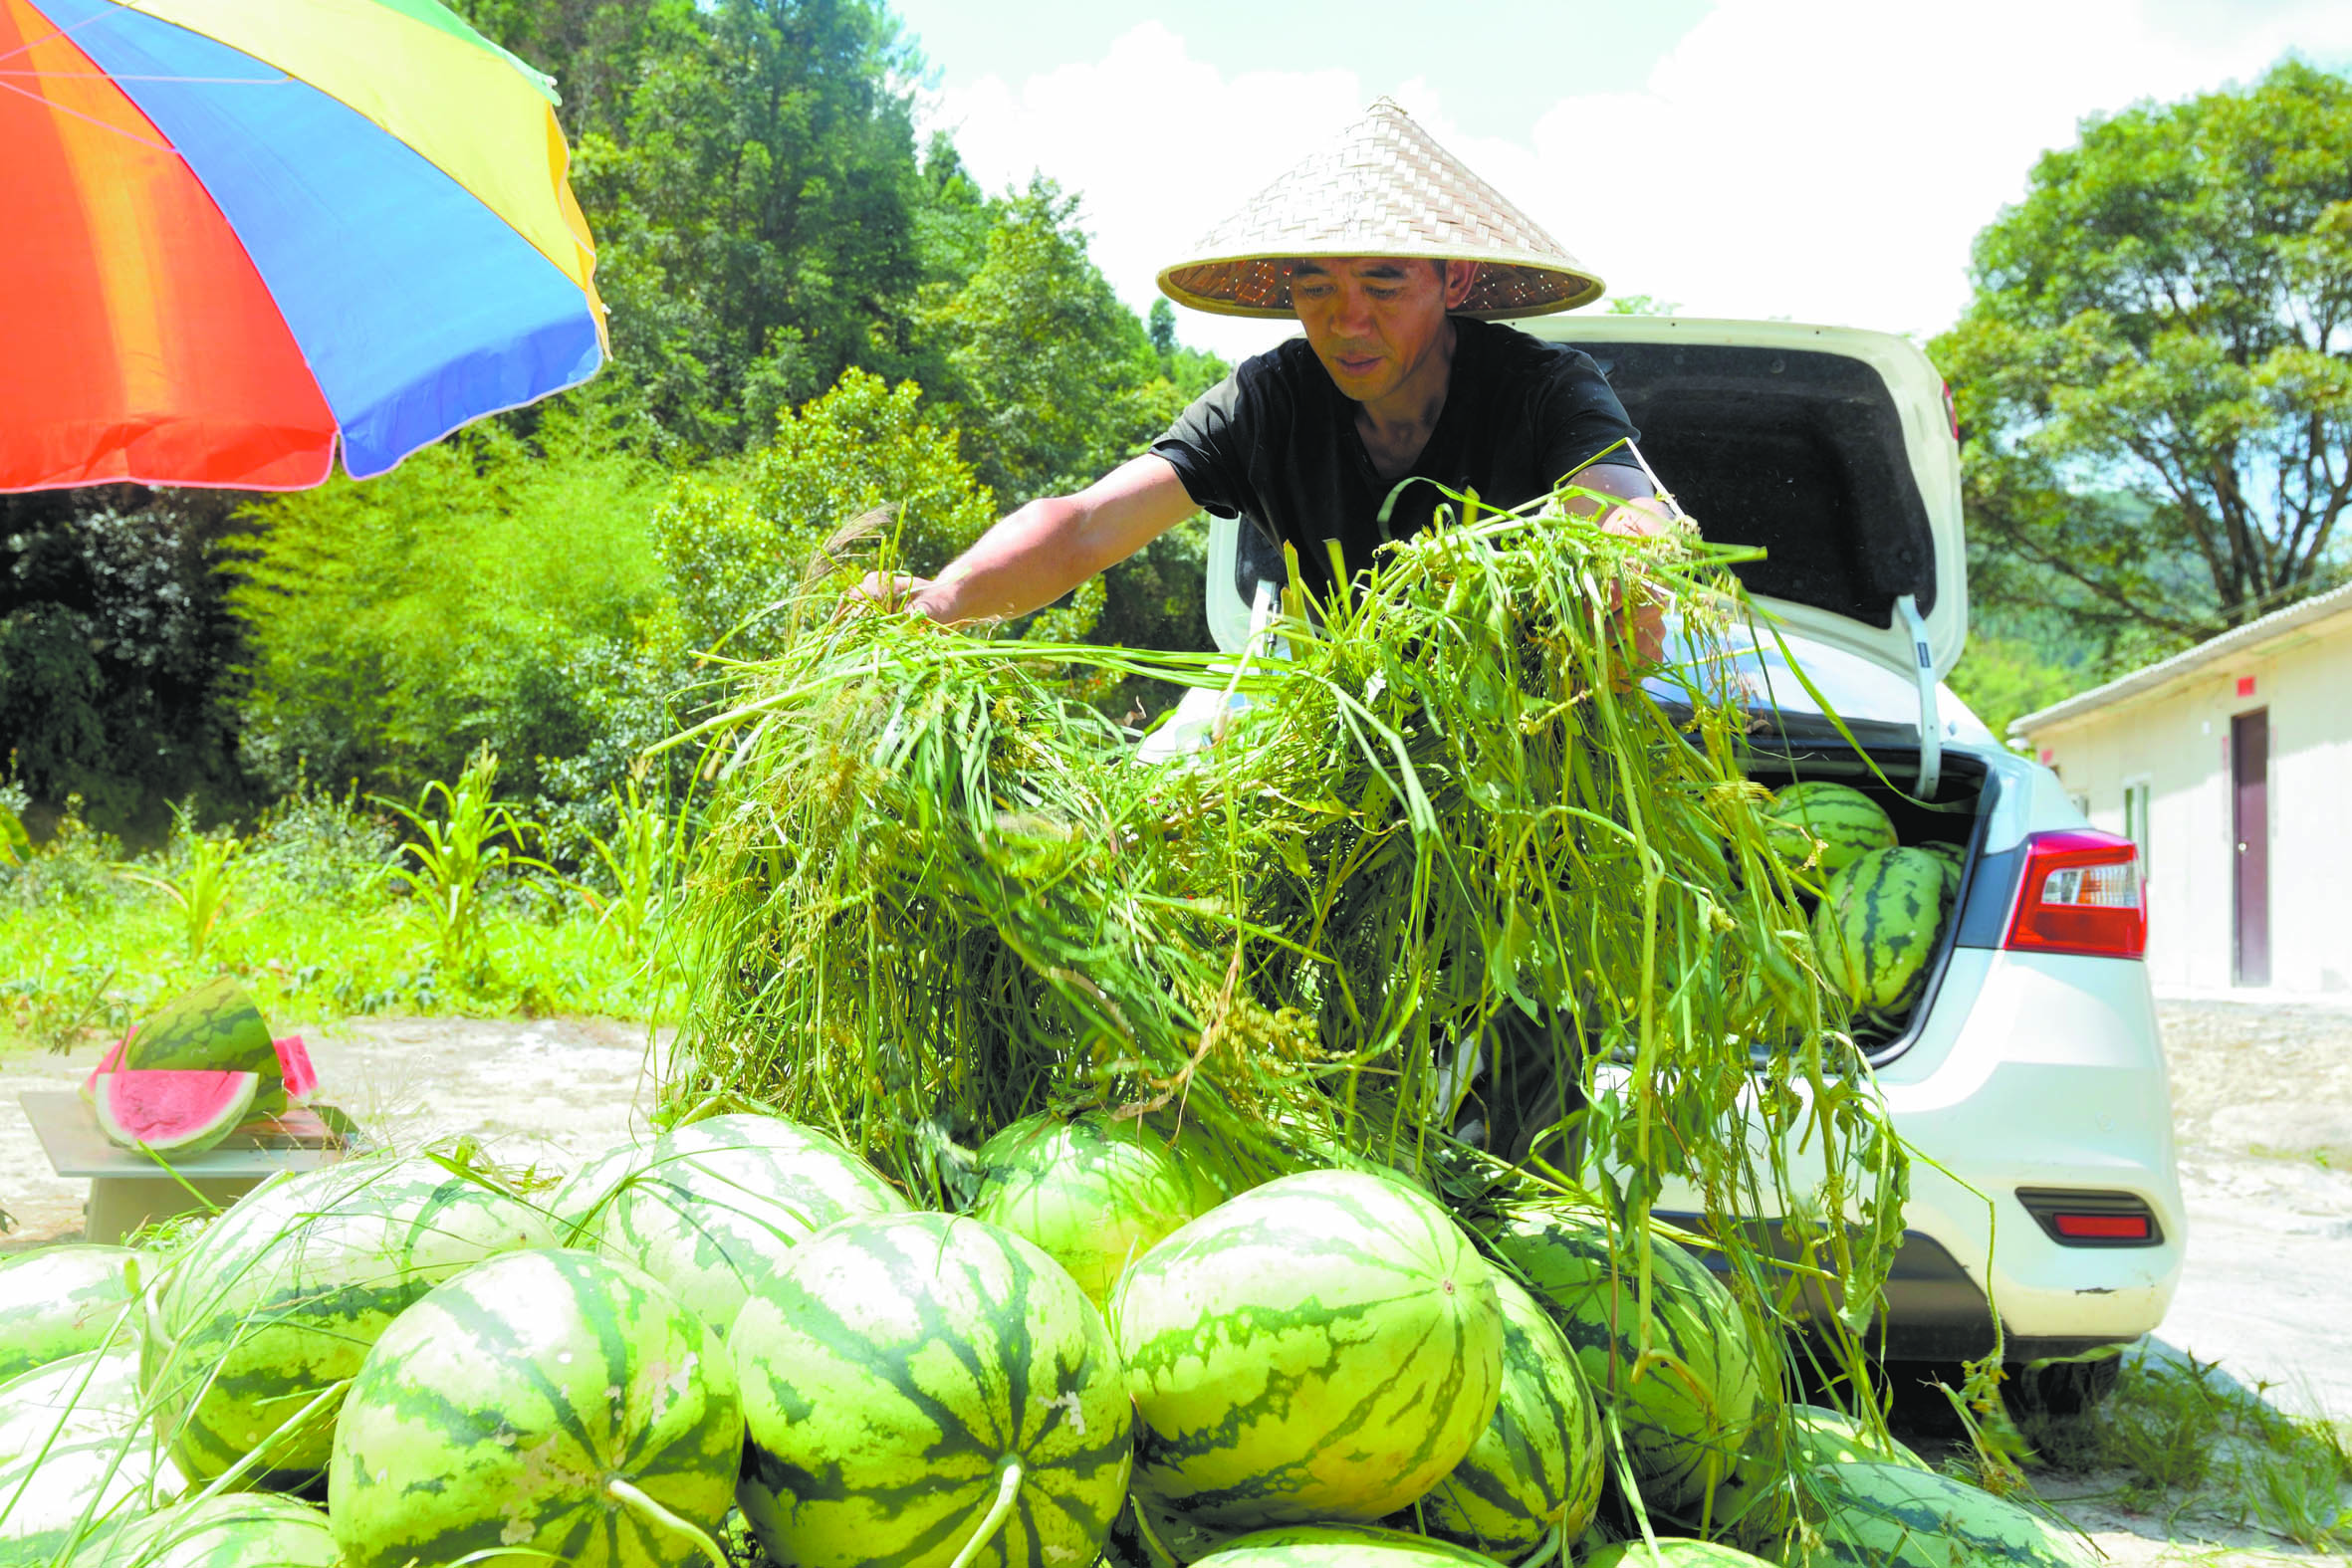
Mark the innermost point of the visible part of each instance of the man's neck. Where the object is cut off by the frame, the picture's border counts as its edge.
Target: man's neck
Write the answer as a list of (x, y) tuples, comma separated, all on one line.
[(1397, 425)]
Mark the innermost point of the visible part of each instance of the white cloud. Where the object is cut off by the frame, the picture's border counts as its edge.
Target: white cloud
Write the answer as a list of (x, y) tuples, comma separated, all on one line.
[(1826, 159)]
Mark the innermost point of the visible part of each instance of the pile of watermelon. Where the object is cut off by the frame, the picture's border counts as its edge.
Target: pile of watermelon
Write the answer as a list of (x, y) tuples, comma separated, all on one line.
[(1880, 905), (740, 1344)]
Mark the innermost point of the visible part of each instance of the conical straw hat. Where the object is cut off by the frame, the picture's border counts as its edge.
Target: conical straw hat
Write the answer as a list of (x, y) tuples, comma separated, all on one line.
[(1383, 190)]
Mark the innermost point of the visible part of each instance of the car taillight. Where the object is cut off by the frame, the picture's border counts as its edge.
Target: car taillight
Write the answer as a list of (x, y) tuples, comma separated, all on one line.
[(2080, 894)]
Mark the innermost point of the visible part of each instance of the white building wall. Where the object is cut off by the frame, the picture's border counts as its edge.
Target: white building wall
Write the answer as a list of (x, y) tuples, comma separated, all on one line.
[(2176, 739)]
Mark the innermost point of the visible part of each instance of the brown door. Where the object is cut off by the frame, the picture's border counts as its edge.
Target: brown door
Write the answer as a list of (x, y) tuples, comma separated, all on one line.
[(2249, 824)]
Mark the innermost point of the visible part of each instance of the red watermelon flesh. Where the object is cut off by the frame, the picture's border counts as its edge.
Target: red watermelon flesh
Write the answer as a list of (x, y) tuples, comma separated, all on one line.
[(294, 1066), (172, 1110)]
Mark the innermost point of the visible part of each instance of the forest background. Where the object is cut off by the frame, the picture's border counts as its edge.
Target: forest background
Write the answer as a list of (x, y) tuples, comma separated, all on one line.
[(815, 310)]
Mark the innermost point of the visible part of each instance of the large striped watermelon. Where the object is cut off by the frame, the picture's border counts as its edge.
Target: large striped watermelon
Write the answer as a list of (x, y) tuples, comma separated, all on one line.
[(577, 1207), (1672, 1553), (924, 1389), (1340, 1546), (1952, 858), (79, 1493), (217, 1028), (1818, 1434), (1895, 1516), (1829, 825), (552, 1402), (1094, 1192), (1876, 926), (236, 1529), (1535, 1471), (1324, 1347), (57, 1301), (1685, 1406), (280, 1297), (721, 1203), (79, 1398)]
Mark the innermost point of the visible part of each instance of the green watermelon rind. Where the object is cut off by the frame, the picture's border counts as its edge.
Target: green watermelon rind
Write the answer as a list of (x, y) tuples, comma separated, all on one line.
[(280, 1298), (1672, 1553), (889, 1370), (239, 1529), (496, 1412), (1361, 1280)]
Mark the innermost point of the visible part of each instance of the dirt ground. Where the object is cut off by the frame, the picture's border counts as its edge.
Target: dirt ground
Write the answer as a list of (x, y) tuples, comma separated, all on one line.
[(2263, 1107)]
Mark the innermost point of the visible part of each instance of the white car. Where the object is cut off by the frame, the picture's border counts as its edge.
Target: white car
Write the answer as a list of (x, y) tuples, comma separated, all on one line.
[(2030, 1071)]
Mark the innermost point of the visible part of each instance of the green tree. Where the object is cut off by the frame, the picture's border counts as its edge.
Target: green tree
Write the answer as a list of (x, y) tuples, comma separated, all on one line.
[(2155, 374), (867, 459), (473, 597)]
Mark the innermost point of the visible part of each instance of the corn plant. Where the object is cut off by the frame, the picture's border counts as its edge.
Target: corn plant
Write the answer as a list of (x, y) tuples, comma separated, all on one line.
[(640, 858), (460, 844), (210, 873)]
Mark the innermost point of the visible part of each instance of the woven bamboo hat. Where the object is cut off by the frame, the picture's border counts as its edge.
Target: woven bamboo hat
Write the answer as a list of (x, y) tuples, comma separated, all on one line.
[(1384, 188)]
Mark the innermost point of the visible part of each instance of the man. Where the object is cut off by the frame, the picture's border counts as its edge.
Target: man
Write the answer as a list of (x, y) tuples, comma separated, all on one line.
[(1393, 258)]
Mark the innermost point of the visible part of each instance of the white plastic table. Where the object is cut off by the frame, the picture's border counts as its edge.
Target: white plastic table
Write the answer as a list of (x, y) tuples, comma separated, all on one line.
[(130, 1188)]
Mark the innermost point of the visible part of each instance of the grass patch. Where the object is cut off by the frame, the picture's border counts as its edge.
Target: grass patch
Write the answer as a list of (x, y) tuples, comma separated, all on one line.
[(2184, 1439), (325, 910)]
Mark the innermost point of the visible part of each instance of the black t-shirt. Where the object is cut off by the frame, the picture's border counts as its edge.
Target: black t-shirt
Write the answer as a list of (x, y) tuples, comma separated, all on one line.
[(1275, 443)]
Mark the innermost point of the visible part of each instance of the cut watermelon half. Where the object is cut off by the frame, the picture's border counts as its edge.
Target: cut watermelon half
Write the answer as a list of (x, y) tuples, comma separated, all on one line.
[(172, 1110), (294, 1067)]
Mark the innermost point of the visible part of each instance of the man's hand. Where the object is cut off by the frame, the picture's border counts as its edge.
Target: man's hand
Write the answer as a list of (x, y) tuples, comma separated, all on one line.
[(1636, 514), (899, 590)]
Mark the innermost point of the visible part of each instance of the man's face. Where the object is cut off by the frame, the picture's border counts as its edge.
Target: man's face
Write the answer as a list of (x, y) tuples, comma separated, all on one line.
[(1372, 320)]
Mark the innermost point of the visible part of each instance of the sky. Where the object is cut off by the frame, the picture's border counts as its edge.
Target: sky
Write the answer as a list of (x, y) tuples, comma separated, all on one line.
[(1825, 160)]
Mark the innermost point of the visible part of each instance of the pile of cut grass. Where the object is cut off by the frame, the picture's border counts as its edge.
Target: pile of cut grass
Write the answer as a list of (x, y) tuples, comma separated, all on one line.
[(1462, 889)]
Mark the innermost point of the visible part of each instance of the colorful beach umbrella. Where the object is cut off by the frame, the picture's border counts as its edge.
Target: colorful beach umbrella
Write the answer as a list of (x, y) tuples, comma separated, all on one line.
[(236, 233)]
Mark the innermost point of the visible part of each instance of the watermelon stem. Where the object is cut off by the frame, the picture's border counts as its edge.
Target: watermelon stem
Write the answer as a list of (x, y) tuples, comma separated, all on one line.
[(1008, 1488), (662, 1516)]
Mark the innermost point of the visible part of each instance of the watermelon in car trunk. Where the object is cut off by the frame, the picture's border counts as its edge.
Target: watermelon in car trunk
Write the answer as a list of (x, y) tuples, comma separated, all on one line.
[(1829, 826), (1877, 924)]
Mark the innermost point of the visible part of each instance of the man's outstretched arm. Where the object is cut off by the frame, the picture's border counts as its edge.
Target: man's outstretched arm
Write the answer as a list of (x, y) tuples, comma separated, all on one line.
[(1038, 554)]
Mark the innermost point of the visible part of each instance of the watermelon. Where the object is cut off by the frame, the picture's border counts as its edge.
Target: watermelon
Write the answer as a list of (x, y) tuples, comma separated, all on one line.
[(1536, 1468), (721, 1203), (1876, 926), (229, 1530), (1338, 1546), (1953, 859), (1686, 1408), (1160, 1536), (549, 1401), (924, 1389), (1821, 1436), (578, 1206), (82, 1399), (1094, 1192), (215, 1028), (1894, 1516), (280, 1297), (79, 1493), (1672, 1552), (166, 1110), (1325, 1347), (57, 1301), (1827, 825)]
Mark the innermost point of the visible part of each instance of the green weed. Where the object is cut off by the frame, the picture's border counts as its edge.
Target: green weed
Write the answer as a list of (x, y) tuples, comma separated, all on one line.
[(208, 874), (458, 849), (2183, 1438)]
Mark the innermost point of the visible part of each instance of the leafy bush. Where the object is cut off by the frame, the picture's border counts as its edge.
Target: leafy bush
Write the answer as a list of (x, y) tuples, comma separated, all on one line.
[(401, 623)]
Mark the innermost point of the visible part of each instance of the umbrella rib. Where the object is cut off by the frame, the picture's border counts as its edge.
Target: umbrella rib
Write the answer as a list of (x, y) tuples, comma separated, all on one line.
[(54, 108)]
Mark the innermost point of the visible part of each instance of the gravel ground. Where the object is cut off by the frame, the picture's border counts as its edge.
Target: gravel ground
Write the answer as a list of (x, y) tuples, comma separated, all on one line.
[(2262, 1105)]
